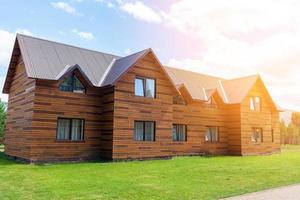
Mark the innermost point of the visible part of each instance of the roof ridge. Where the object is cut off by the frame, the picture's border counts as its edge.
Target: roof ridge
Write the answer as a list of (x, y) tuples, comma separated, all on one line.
[(134, 53), (243, 77), (64, 44), (212, 76)]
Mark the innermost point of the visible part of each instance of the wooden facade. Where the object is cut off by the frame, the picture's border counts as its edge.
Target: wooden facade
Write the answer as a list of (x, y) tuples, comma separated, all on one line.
[(109, 113)]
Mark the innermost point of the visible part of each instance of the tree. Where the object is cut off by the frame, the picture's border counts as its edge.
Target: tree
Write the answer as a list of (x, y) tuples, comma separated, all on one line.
[(2, 118), (296, 119)]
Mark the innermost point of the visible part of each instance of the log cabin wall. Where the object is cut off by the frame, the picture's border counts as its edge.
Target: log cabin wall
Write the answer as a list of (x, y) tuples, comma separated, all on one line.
[(129, 108), (233, 124), (267, 119), (50, 103), (19, 114)]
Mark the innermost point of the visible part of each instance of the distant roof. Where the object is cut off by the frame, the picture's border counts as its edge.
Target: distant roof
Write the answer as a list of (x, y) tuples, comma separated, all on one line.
[(201, 86), (49, 60)]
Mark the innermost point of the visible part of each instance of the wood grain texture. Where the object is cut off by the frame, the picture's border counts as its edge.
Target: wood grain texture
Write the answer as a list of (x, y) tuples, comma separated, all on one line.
[(110, 112)]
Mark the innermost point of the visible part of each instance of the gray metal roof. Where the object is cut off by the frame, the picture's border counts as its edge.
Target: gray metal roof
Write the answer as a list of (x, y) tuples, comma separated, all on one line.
[(48, 60), (122, 65)]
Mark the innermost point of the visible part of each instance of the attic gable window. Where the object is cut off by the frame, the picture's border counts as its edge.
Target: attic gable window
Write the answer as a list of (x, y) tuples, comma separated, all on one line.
[(144, 87), (72, 84), (255, 103)]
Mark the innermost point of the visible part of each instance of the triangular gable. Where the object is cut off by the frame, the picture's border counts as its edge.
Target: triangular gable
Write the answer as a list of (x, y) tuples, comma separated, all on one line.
[(11, 68), (266, 90), (237, 89), (122, 65), (69, 70)]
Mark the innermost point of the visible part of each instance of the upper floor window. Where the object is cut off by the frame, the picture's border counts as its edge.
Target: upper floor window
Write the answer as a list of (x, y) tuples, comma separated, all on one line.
[(144, 130), (145, 87), (257, 135), (212, 134), (255, 103), (70, 129), (72, 84), (179, 132)]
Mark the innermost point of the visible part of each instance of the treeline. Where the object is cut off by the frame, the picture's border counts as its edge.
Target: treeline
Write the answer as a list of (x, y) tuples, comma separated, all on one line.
[(2, 120), (290, 133)]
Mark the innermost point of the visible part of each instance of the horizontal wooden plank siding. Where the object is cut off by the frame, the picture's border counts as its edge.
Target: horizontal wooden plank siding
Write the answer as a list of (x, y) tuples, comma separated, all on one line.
[(95, 107), (109, 113), (267, 119), (19, 114)]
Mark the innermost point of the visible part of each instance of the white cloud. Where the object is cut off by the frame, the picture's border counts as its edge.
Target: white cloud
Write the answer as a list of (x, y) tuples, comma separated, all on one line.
[(83, 35), (237, 38), (140, 11), (65, 7), (6, 46)]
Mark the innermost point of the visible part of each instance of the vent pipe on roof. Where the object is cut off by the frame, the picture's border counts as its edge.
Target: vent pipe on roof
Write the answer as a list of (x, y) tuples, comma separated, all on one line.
[(223, 91)]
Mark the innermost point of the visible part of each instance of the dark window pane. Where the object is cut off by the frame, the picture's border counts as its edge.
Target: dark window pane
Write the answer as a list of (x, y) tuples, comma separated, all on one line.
[(77, 86), (139, 87), (174, 133), (63, 129), (149, 131), (72, 84), (77, 132), (139, 131), (150, 88), (67, 85)]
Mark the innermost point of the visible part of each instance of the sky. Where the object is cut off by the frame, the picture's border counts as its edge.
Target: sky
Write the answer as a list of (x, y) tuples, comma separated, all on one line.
[(228, 39)]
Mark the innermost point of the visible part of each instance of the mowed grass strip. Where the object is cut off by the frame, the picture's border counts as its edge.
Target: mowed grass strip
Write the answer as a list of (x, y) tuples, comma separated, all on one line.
[(179, 178)]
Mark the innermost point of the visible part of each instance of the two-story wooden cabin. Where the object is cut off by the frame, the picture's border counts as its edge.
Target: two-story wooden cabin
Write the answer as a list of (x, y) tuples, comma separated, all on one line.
[(68, 103)]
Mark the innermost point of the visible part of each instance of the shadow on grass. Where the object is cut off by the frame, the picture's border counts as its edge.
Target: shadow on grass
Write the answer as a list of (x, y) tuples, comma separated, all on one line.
[(4, 160)]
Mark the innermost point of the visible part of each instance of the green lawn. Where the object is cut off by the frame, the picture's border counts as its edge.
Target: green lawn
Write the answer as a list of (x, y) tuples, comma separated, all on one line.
[(178, 178)]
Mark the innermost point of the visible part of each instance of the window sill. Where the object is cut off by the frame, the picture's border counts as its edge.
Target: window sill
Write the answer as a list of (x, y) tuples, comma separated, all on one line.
[(143, 141), (70, 141), (217, 142), (142, 97), (179, 142)]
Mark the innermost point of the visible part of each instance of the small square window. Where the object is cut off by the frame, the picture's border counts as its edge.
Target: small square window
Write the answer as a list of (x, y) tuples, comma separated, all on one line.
[(255, 103), (144, 87)]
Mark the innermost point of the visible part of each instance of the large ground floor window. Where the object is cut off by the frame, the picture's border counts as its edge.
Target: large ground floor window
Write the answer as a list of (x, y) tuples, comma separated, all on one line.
[(179, 132), (70, 129), (212, 134), (144, 130), (257, 135)]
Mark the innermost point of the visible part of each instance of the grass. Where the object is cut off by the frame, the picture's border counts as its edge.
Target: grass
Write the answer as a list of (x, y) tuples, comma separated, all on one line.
[(178, 178)]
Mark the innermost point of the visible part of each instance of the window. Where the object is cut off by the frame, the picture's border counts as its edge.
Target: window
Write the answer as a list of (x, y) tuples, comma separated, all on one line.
[(144, 131), (70, 129), (145, 87), (255, 103), (212, 134), (72, 84), (179, 132), (257, 136)]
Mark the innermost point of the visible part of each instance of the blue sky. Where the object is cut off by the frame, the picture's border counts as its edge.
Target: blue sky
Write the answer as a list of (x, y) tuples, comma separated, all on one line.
[(228, 39)]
